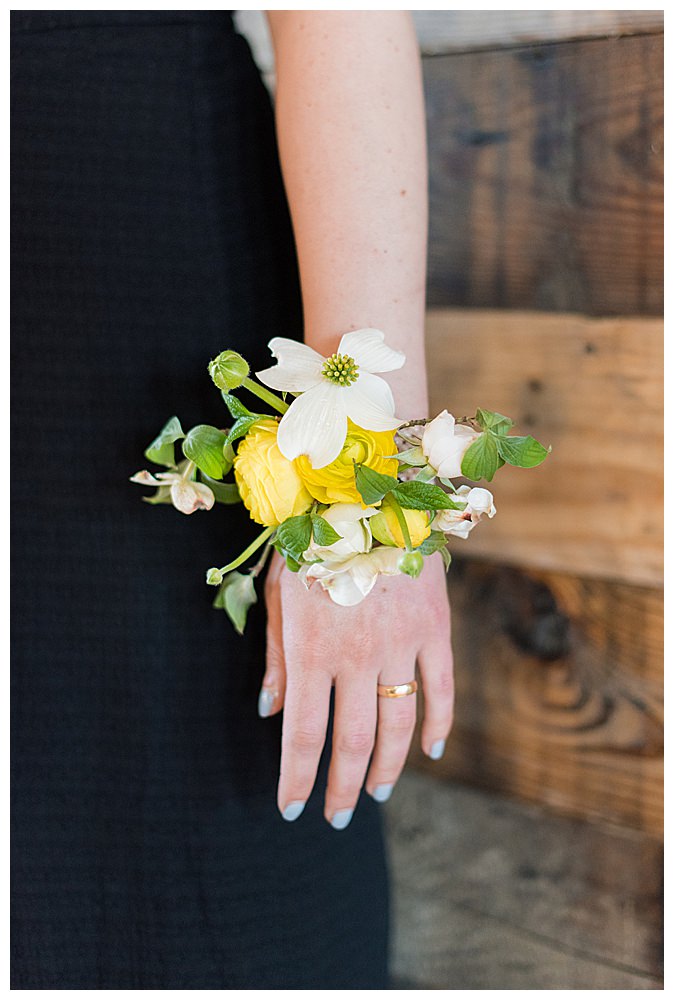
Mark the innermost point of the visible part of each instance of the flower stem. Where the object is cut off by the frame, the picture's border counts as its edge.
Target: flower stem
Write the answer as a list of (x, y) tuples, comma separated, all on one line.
[(269, 397), (402, 520), (259, 565), (261, 538)]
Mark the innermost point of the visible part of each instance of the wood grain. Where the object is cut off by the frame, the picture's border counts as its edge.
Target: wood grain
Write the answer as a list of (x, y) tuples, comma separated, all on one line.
[(442, 31), (492, 894), (594, 390), (558, 692), (546, 177)]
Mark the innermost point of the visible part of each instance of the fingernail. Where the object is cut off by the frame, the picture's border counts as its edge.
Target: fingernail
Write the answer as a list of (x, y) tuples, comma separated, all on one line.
[(341, 819), (437, 750), (382, 793), (265, 702), (293, 810)]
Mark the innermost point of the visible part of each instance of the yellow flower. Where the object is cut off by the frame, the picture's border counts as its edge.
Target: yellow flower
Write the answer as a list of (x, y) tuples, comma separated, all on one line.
[(269, 484), (386, 527), (336, 483)]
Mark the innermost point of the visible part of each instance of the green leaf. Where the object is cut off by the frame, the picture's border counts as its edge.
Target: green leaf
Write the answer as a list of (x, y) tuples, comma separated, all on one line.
[(204, 445), (228, 370), (481, 459), (446, 557), (373, 486), (324, 533), (490, 420), (235, 406), (294, 535), (525, 452), (235, 596), (292, 564), (162, 495), (412, 456), (241, 427), (434, 543), (423, 496), (223, 492), (161, 451)]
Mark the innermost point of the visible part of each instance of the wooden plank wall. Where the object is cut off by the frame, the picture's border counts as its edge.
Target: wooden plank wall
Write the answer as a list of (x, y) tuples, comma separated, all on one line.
[(545, 294)]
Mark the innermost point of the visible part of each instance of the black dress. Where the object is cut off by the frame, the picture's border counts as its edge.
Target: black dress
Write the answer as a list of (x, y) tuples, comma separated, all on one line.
[(150, 231)]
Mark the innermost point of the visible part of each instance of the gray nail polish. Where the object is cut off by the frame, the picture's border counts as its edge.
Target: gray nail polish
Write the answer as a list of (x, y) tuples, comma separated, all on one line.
[(265, 702), (382, 793), (437, 750), (293, 810), (341, 819)]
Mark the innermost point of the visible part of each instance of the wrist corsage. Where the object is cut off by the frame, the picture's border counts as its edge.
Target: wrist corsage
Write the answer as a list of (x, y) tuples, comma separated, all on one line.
[(343, 489)]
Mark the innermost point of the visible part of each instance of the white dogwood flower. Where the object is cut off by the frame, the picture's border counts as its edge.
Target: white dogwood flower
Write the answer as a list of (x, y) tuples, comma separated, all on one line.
[(348, 581), (330, 390), (461, 522)]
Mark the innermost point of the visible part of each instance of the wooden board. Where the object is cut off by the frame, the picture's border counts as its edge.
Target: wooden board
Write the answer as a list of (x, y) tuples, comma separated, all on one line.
[(546, 177), (442, 31), (492, 894), (591, 388), (559, 692)]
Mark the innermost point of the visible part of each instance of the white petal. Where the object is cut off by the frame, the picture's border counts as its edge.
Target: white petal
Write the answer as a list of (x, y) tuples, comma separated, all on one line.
[(298, 369), (315, 425), (368, 350), (369, 403), (188, 496), (145, 478)]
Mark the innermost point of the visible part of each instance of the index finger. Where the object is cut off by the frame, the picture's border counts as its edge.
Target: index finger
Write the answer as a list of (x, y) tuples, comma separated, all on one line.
[(305, 721)]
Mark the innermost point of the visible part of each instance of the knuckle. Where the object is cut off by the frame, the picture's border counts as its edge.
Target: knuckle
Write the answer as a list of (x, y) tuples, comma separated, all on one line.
[(443, 683), (306, 741), (357, 743), (399, 723)]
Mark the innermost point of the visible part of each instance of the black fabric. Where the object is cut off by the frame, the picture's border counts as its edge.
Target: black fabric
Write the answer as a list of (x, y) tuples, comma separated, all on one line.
[(150, 231)]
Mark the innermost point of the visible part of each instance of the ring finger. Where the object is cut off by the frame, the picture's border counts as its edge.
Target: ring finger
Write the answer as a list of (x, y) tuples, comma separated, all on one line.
[(395, 726)]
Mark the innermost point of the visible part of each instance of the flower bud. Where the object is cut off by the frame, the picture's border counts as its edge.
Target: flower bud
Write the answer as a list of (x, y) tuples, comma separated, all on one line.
[(228, 370), (411, 563), (214, 576)]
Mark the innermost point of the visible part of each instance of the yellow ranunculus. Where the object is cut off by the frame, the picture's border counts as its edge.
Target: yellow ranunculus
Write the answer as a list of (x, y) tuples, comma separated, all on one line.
[(386, 527), (336, 483), (269, 484)]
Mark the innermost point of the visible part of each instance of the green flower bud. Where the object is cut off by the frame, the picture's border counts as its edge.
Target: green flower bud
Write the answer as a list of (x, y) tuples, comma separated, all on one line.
[(214, 577), (228, 370), (411, 563)]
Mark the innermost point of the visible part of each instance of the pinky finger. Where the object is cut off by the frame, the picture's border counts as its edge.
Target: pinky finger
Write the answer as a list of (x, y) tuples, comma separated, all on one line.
[(436, 666)]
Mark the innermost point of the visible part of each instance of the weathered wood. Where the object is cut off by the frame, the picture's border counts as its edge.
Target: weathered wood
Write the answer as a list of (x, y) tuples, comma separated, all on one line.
[(591, 388), (491, 894), (558, 692), (442, 31), (546, 177)]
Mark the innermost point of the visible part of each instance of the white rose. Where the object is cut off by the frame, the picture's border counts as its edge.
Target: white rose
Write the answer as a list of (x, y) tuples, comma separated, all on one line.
[(349, 520), (348, 581), (444, 443), (461, 522)]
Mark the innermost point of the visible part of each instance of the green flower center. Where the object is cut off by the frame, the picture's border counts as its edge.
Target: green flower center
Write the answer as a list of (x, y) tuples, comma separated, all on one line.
[(340, 369)]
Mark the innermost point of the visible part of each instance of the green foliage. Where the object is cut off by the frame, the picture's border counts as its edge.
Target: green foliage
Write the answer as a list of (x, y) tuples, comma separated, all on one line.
[(162, 451), (294, 535), (423, 496), (373, 486), (324, 533), (434, 543), (235, 596), (227, 493), (525, 452), (481, 459), (205, 446), (241, 427)]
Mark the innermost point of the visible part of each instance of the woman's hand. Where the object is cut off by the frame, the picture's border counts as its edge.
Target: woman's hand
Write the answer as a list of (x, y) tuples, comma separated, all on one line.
[(313, 643)]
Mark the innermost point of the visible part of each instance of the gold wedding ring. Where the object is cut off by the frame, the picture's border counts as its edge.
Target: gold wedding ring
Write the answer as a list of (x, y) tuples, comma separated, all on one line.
[(396, 690)]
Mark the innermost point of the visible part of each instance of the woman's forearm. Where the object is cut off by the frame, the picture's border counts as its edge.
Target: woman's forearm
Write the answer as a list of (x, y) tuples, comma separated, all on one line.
[(351, 130)]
